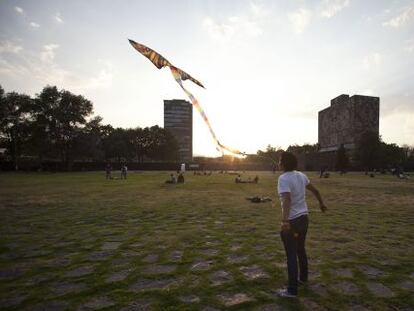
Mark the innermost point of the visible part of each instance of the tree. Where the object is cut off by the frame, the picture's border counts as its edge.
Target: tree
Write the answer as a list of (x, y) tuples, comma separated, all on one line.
[(59, 118), (138, 141), (116, 143), (408, 157), (15, 118), (153, 142), (169, 148), (163, 145), (408, 151), (301, 149), (270, 156), (368, 150), (43, 141), (342, 160), (391, 155), (88, 144)]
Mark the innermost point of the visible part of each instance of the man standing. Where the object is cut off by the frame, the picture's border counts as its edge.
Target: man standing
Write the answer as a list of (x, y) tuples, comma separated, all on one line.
[(124, 170), (108, 170), (292, 186)]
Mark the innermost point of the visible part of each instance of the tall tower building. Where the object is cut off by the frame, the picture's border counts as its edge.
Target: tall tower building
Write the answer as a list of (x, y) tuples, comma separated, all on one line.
[(178, 119), (346, 119)]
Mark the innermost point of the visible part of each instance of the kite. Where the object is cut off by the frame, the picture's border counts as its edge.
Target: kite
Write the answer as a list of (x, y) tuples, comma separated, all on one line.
[(180, 75)]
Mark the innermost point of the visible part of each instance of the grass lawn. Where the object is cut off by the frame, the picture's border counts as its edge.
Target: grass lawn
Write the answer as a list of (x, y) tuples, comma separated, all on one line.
[(79, 242)]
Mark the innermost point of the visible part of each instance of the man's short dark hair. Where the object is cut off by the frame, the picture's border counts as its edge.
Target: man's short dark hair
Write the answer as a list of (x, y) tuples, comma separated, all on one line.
[(288, 161)]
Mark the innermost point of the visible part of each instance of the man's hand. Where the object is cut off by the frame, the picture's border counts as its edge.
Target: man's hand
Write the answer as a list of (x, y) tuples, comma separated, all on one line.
[(285, 226), (318, 196)]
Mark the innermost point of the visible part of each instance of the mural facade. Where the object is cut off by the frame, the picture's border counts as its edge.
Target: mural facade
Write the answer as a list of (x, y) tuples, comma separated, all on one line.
[(346, 119)]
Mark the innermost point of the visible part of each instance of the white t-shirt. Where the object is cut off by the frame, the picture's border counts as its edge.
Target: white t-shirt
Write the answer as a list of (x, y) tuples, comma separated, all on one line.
[(294, 182)]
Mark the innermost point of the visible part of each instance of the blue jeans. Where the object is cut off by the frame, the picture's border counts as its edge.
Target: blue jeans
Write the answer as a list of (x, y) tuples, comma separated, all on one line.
[(294, 243)]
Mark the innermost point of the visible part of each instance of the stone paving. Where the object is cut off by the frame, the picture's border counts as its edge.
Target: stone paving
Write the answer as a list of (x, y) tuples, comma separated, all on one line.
[(347, 288), (230, 300), (380, 290), (97, 303), (115, 274), (62, 288), (344, 273), (68, 276), (253, 272), (155, 274), (220, 277)]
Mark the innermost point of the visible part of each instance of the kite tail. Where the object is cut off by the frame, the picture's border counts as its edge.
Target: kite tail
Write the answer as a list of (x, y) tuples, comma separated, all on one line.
[(195, 103), (234, 151)]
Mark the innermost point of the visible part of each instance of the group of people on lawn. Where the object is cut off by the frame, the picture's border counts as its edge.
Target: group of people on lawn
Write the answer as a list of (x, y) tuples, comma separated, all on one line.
[(108, 171), (176, 180), (238, 180)]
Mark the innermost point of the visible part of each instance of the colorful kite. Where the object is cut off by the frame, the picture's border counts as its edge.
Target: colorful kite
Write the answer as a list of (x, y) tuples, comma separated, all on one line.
[(179, 76)]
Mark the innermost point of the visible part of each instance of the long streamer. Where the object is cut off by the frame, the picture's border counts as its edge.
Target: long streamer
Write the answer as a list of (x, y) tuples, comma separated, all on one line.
[(180, 75)]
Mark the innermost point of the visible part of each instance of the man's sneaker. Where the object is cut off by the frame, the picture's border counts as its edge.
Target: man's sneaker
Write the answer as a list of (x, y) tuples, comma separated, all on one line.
[(284, 293)]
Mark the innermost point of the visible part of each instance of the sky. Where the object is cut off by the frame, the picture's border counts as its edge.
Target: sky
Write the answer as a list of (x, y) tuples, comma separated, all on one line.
[(268, 66)]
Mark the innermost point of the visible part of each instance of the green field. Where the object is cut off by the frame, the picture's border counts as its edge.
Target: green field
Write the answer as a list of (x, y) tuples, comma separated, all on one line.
[(79, 242)]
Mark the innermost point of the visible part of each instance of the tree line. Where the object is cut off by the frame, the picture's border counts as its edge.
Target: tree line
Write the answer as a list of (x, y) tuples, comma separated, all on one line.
[(57, 125), (370, 152)]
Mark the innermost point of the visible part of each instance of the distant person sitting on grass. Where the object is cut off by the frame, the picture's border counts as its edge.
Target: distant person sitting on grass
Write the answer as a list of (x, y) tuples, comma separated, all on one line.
[(172, 180), (180, 178), (238, 180), (257, 199), (108, 170), (292, 186), (256, 179)]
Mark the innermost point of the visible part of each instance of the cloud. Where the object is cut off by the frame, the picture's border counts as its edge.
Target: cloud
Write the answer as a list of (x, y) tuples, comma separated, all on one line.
[(332, 7), (34, 25), (409, 46), (43, 68), (48, 53), (372, 60), (19, 10), (397, 102), (218, 31), (9, 47), (58, 18), (404, 18), (102, 80), (300, 19), (249, 24)]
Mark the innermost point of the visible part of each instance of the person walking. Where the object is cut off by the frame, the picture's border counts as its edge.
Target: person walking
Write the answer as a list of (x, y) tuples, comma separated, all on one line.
[(292, 187)]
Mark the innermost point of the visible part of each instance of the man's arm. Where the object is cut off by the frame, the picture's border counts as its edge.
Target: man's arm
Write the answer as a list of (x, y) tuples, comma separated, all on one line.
[(318, 196), (285, 202)]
